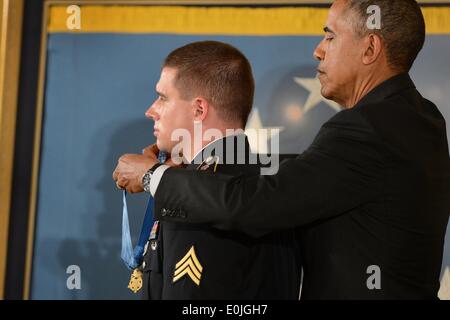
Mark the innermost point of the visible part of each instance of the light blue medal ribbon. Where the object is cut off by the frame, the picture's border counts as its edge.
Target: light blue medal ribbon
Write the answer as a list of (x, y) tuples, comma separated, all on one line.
[(133, 257)]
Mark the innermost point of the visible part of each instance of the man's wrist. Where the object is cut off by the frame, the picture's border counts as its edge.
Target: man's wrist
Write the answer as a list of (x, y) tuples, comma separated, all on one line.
[(146, 178)]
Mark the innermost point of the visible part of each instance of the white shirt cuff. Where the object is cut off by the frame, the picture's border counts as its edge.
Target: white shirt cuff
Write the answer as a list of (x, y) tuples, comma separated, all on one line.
[(156, 178)]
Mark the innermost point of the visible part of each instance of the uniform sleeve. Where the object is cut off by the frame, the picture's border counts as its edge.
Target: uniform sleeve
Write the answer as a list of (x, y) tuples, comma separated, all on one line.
[(341, 170)]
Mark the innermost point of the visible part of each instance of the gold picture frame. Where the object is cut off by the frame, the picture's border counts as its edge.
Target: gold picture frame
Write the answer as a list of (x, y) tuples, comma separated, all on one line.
[(10, 42)]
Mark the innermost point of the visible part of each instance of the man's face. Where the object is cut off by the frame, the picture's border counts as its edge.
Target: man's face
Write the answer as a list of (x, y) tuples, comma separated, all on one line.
[(169, 111), (340, 54)]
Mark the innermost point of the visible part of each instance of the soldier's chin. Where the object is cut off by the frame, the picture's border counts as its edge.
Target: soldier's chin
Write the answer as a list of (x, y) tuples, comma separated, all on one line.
[(162, 146)]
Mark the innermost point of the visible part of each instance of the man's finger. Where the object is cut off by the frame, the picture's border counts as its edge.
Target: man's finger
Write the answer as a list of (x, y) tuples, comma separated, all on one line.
[(123, 183), (154, 148), (134, 189), (115, 174), (151, 151)]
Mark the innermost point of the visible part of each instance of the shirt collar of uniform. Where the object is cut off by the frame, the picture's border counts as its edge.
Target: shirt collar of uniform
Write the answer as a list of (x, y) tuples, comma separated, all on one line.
[(200, 157)]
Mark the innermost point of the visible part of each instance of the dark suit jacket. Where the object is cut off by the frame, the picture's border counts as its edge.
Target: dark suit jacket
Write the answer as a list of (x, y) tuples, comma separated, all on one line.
[(373, 189), (227, 264)]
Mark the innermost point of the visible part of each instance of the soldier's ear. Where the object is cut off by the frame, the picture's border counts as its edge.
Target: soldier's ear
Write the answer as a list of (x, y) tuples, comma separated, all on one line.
[(200, 108)]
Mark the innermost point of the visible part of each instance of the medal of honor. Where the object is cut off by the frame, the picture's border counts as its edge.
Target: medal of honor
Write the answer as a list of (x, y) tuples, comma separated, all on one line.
[(135, 281), (133, 257)]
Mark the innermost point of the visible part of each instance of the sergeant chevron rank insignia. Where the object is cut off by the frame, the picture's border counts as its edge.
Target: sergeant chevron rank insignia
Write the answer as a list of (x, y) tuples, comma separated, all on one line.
[(189, 265)]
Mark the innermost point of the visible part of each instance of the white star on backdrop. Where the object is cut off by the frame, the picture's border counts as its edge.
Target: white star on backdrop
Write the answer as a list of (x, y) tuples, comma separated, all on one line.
[(259, 142), (315, 96)]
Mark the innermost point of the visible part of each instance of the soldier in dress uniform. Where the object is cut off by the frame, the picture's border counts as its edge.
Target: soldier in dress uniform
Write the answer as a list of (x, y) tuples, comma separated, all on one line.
[(199, 262), (208, 86)]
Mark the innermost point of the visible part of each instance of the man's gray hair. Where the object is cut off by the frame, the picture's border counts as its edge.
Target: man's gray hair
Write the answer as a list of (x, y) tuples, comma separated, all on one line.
[(402, 28)]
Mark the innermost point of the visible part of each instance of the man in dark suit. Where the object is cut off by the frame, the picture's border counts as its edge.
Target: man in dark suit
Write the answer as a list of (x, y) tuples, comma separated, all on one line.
[(196, 261), (373, 189)]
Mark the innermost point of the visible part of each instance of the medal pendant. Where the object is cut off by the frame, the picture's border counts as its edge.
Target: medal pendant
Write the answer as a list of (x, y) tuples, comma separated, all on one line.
[(135, 281)]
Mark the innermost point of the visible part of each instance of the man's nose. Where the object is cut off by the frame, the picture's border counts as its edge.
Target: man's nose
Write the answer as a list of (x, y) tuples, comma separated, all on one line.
[(152, 113), (319, 52)]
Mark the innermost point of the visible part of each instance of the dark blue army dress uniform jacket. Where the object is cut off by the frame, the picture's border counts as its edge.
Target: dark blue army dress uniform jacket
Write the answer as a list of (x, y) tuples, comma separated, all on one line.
[(199, 262)]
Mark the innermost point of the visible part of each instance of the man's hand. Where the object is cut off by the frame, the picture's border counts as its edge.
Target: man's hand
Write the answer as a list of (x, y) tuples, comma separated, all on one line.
[(152, 152), (130, 170)]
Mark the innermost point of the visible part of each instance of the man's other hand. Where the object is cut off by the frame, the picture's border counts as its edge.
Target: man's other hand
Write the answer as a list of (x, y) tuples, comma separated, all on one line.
[(152, 151), (130, 170)]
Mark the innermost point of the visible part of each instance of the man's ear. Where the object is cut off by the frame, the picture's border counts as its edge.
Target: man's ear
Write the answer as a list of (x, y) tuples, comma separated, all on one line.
[(200, 108), (373, 48)]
